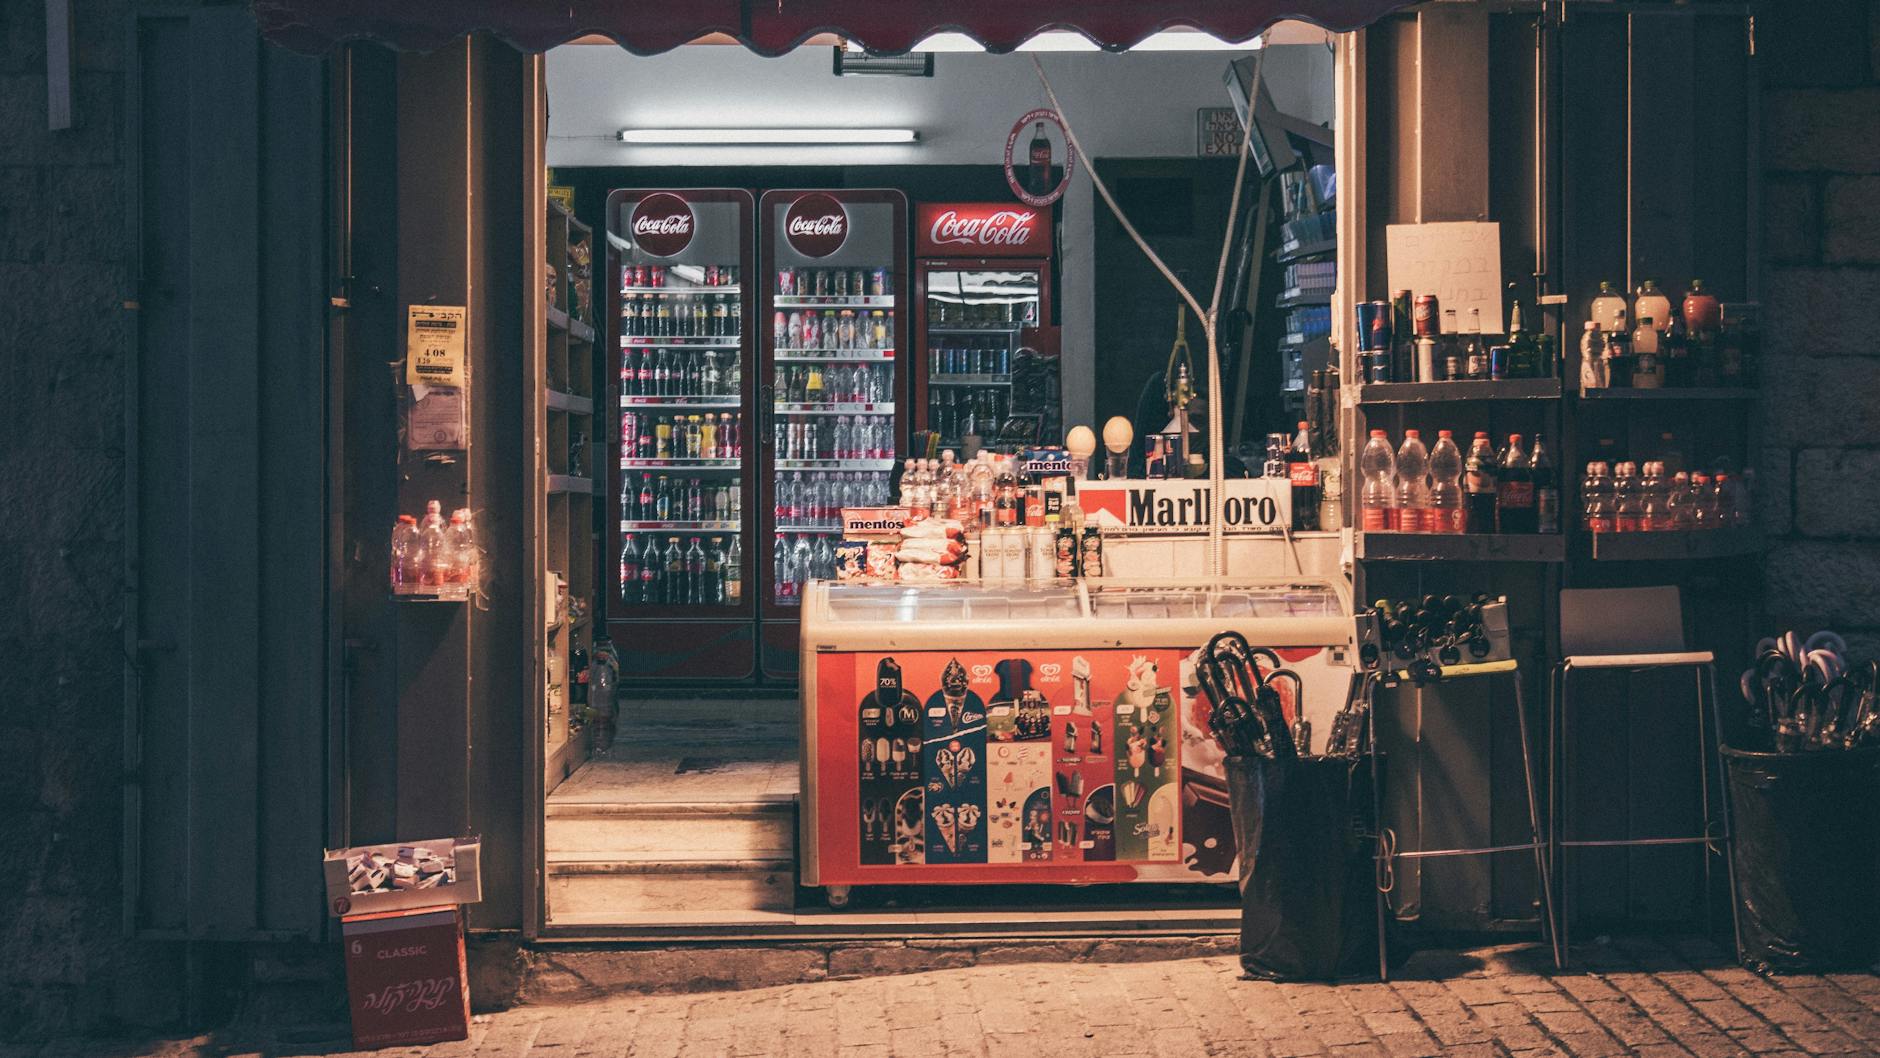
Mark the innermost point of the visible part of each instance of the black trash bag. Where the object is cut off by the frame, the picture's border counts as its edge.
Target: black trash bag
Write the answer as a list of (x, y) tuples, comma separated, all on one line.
[(1307, 841), (1807, 848)]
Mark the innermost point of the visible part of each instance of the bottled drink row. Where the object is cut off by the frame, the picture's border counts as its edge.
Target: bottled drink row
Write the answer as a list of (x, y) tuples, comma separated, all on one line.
[(832, 329), (835, 383), (1439, 490), (1624, 498), (989, 490), (817, 499), (1307, 466), (988, 314), (681, 314), (1654, 344), (435, 557), (798, 560), (958, 412), (969, 356), (835, 437), (1402, 340), (644, 435), (645, 275), (660, 499), (666, 372), (699, 574), (834, 282)]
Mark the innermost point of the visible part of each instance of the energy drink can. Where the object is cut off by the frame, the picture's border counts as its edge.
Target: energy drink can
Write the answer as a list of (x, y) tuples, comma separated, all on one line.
[(1090, 563), (1065, 555)]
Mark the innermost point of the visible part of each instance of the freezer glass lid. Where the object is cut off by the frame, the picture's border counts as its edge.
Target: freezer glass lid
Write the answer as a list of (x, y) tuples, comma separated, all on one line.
[(1261, 601), (874, 603)]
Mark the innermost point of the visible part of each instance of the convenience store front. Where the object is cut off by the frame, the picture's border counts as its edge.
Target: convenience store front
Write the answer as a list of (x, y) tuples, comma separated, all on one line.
[(441, 745)]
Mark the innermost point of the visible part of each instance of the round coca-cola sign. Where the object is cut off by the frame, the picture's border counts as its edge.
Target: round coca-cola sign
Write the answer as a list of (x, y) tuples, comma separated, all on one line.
[(662, 224), (816, 225)]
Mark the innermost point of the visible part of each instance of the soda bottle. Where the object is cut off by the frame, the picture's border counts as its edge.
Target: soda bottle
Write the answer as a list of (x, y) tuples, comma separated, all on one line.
[(1546, 489), (1627, 509), (433, 555), (714, 590), (1596, 514), (662, 374), (780, 553), (1608, 309), (629, 571), (1678, 501), (461, 539), (1480, 485), (1593, 366), (802, 564), (629, 374), (694, 574), (1377, 498), (672, 573), (711, 380), (708, 437), (1413, 490), (649, 572), (662, 500), (734, 573), (1475, 350), (1303, 472), (1647, 366), (406, 549), (1514, 489), (736, 493), (644, 510), (1445, 513), (1654, 514), (1728, 501), (694, 501), (693, 427)]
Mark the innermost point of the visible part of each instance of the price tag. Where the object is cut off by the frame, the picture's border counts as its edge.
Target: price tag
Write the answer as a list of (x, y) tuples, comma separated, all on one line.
[(434, 346)]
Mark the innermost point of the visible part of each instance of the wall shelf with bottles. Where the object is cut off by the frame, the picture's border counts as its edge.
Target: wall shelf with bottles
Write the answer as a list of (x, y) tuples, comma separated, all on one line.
[(1438, 392), (628, 525), (1666, 546), (699, 344), (970, 380), (811, 301), (685, 464), (1680, 393), (567, 452), (832, 408), (1462, 547), (835, 464), (824, 356), (701, 403)]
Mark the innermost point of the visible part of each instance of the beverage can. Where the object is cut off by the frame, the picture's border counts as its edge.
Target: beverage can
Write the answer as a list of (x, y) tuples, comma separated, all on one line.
[(841, 283), (711, 275), (1041, 562), (655, 275), (879, 284), (786, 282), (1091, 561), (1425, 318), (1066, 553), (820, 283)]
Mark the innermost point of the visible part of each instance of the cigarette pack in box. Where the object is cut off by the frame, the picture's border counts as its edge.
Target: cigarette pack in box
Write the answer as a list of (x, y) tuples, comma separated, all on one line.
[(369, 878), (873, 522)]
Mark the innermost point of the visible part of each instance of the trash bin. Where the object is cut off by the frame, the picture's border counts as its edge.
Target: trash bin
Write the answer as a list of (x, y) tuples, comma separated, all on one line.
[(1807, 848), (1306, 835)]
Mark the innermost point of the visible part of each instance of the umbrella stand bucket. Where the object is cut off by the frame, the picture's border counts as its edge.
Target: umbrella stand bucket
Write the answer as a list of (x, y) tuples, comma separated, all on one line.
[(1807, 851)]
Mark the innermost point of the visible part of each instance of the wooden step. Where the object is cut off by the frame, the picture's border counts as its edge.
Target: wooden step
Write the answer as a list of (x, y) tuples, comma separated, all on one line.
[(741, 831), (625, 883)]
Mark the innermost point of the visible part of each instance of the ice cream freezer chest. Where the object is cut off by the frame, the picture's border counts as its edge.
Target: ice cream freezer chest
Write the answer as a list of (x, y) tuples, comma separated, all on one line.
[(962, 734)]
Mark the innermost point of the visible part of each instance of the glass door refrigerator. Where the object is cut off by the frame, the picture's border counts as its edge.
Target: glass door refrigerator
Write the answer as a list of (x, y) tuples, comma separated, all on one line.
[(832, 318), (986, 354), (681, 528)]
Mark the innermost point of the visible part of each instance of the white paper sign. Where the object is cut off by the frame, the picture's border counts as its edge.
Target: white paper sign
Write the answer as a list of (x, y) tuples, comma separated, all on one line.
[(1458, 261)]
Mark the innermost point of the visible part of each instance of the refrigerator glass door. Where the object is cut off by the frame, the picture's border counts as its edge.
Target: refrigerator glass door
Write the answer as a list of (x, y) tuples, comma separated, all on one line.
[(684, 437), (973, 318), (934, 603), (831, 342)]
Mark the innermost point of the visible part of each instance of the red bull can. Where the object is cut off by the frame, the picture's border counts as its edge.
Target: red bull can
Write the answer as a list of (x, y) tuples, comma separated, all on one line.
[(1373, 325)]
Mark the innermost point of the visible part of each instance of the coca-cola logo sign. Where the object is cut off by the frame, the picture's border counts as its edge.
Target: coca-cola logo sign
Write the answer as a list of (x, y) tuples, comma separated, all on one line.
[(1029, 176), (662, 224), (981, 229), (816, 225), (1006, 227)]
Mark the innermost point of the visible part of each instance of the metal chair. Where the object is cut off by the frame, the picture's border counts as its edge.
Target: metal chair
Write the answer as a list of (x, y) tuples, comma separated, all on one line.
[(1631, 629)]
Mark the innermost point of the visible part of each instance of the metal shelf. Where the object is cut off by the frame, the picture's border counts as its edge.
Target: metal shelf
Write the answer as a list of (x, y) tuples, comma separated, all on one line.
[(1669, 546), (1462, 547), (835, 464), (679, 341), (831, 408), (681, 464), (1431, 392), (706, 403), (1686, 393), (823, 356), (630, 526), (570, 403), (970, 380), (811, 301), (1293, 251), (810, 530), (732, 289)]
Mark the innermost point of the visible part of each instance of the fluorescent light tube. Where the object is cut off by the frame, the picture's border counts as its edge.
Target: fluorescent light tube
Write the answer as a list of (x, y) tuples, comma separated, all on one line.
[(764, 137)]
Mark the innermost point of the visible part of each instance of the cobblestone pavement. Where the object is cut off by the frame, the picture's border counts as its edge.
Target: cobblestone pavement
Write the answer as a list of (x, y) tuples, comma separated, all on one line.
[(1632, 997)]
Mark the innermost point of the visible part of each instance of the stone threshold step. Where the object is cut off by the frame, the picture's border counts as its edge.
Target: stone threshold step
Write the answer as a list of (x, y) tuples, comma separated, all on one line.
[(652, 809), (568, 864)]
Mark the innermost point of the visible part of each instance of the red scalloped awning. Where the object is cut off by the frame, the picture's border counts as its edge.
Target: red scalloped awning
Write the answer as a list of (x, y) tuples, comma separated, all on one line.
[(772, 27)]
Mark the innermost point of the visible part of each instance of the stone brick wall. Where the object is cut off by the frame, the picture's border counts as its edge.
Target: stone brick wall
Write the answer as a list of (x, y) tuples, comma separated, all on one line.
[(1820, 471), (64, 259)]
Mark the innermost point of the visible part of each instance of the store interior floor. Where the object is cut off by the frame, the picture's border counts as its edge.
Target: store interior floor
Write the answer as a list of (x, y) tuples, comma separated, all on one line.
[(686, 826)]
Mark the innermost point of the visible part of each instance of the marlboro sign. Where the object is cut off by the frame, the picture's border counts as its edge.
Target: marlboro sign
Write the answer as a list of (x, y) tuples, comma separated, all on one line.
[(981, 229), (1253, 505)]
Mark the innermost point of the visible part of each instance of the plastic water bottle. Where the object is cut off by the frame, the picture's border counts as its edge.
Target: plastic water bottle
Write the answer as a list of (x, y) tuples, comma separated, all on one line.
[(1626, 508), (1445, 513), (1596, 514), (1654, 513), (1378, 496), (1413, 489), (406, 574)]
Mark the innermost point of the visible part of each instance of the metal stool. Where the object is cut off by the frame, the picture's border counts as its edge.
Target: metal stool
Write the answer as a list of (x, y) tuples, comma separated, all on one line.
[(1387, 853), (1632, 629)]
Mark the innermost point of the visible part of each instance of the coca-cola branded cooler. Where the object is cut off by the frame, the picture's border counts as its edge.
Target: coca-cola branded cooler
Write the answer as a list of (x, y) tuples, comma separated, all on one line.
[(985, 350), (682, 526), (832, 321), (963, 733)]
